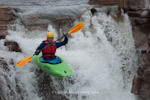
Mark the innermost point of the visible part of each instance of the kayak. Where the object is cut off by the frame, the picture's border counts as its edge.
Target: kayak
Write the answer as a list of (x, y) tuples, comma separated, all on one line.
[(61, 69)]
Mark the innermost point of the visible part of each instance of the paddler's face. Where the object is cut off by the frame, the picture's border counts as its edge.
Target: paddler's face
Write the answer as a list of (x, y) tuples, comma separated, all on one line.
[(50, 39)]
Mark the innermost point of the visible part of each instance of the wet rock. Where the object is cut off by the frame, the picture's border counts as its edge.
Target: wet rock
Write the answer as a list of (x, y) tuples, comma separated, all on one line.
[(36, 22), (41, 21), (13, 46), (136, 21), (141, 34), (47, 88), (136, 84), (122, 3), (118, 16), (141, 39), (7, 17), (139, 13), (6, 14), (145, 90), (139, 16), (3, 34), (141, 81), (138, 4)]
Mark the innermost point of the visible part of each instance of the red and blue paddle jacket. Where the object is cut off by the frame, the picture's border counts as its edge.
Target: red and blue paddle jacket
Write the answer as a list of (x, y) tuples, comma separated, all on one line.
[(49, 51)]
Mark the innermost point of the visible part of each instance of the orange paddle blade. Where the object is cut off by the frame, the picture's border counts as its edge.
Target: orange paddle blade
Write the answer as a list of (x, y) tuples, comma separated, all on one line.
[(76, 28), (23, 61)]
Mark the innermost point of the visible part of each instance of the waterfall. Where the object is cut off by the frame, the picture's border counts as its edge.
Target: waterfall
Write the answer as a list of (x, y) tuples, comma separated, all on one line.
[(102, 57)]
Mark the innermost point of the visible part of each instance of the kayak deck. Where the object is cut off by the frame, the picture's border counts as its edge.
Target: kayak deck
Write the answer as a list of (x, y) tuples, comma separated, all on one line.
[(61, 69)]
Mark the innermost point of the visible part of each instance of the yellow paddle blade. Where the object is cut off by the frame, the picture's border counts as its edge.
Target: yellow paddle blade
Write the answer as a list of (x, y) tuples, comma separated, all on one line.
[(76, 28), (23, 61)]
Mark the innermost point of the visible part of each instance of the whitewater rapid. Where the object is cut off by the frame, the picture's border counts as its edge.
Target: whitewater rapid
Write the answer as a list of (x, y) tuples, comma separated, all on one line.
[(102, 57)]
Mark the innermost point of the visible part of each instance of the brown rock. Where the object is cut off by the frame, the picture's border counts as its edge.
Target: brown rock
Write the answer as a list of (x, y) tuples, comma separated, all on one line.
[(145, 28), (136, 4), (118, 17), (147, 56), (146, 76), (3, 34), (32, 27), (13, 46), (47, 89), (141, 81), (36, 22), (141, 39), (6, 14), (122, 3), (136, 84), (7, 17), (144, 91), (136, 21), (3, 26), (41, 21), (140, 13), (140, 19)]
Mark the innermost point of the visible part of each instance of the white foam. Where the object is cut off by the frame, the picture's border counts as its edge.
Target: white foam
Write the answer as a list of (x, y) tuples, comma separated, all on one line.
[(96, 62)]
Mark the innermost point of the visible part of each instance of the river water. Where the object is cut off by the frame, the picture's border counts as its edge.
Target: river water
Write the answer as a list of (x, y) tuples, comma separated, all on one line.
[(102, 55)]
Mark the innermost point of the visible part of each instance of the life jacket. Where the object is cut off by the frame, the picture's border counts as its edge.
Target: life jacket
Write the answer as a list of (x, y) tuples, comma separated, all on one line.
[(50, 50)]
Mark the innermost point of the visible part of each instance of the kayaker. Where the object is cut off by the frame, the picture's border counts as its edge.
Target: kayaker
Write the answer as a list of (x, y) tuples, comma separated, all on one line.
[(48, 48)]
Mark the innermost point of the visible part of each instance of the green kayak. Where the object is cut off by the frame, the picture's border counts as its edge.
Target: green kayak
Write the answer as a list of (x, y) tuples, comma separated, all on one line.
[(61, 70)]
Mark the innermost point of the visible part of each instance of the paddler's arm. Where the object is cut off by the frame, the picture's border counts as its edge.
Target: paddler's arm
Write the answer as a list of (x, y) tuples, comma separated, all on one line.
[(59, 44), (39, 48)]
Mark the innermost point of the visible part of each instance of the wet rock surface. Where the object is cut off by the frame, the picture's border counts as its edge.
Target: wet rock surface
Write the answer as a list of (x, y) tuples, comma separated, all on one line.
[(7, 17), (122, 3), (41, 21), (47, 88), (13, 46), (139, 13)]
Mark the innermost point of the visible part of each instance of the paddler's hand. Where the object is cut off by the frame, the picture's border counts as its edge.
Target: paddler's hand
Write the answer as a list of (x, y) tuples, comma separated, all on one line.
[(65, 34), (37, 52)]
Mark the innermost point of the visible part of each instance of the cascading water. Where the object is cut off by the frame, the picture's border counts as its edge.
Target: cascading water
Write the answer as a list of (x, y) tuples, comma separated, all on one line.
[(102, 57), (103, 69)]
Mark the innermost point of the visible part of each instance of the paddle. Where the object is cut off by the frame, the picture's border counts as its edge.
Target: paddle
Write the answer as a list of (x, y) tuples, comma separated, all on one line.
[(25, 60), (74, 29)]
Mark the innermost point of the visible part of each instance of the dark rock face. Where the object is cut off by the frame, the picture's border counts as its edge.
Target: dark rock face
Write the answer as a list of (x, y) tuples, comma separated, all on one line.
[(46, 87), (139, 13), (41, 21), (7, 18), (122, 3), (138, 4), (13, 46)]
